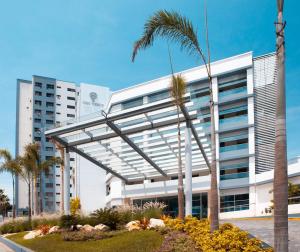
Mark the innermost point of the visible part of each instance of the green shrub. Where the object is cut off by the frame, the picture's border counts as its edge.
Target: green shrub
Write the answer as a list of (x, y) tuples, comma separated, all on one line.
[(67, 221), (15, 226), (86, 236), (107, 216)]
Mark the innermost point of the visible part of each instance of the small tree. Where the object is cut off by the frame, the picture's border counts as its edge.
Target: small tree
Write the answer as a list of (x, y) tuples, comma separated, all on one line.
[(4, 203), (75, 206), (13, 167)]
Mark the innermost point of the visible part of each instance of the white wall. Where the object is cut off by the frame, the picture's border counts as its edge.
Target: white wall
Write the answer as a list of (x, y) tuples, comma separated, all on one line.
[(91, 178), (23, 132)]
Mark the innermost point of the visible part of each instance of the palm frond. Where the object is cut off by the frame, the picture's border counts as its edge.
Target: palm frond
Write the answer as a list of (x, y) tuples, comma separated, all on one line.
[(178, 89), (172, 26), (5, 154)]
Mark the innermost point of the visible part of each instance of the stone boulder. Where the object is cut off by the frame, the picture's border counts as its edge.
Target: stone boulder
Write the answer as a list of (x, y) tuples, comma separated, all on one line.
[(133, 225), (53, 229), (87, 228), (32, 234), (101, 227), (156, 223), (79, 227)]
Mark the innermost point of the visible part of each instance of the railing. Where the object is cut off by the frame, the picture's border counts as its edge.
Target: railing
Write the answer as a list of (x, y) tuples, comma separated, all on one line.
[(234, 176)]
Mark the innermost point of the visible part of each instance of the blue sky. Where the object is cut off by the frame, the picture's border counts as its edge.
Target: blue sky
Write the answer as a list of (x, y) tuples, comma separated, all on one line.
[(91, 41)]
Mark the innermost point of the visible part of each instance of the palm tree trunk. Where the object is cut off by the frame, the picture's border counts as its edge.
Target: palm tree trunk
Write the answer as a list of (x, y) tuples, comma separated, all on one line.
[(41, 194), (180, 177), (14, 204), (29, 202), (280, 172), (214, 195), (36, 196)]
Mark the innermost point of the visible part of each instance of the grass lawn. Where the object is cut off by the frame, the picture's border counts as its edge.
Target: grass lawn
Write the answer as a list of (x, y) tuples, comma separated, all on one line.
[(139, 241)]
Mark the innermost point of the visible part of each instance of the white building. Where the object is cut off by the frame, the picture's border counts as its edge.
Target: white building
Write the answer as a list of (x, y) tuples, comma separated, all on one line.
[(135, 140), (44, 103)]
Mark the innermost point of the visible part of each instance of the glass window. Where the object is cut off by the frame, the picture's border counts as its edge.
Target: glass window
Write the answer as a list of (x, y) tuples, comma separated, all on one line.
[(50, 86), (38, 93), (71, 98), (37, 102), (234, 170), (71, 90), (70, 107), (132, 103), (38, 84), (49, 95), (234, 141), (238, 202), (158, 96), (49, 104)]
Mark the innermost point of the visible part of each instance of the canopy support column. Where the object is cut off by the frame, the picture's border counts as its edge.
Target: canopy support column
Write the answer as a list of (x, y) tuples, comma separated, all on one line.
[(67, 182), (188, 170)]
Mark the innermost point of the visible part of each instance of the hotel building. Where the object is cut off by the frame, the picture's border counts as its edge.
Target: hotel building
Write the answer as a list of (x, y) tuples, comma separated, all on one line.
[(135, 141)]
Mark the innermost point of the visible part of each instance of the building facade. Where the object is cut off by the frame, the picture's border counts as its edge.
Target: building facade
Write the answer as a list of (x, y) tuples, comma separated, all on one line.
[(135, 141), (44, 103)]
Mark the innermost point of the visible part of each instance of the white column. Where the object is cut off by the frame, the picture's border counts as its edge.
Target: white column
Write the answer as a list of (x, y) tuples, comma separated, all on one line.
[(188, 171), (67, 183)]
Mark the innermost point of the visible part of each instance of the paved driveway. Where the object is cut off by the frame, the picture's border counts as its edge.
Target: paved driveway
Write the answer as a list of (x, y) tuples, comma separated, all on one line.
[(263, 229)]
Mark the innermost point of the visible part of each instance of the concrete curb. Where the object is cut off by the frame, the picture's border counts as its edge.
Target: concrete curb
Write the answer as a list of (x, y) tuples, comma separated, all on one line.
[(14, 246)]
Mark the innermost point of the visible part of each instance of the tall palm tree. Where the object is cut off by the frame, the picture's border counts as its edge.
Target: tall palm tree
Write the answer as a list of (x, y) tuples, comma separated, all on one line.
[(61, 150), (13, 167), (27, 173), (39, 167), (280, 172), (177, 91), (174, 27)]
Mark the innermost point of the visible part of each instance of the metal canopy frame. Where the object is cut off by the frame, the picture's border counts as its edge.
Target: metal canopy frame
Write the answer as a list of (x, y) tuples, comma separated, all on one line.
[(138, 143)]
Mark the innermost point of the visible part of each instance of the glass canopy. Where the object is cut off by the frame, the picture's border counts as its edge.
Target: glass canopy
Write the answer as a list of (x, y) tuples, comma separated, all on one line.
[(142, 142)]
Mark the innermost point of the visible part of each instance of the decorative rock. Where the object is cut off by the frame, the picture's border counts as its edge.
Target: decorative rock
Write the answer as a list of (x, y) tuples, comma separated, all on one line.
[(133, 225), (79, 227), (32, 234), (87, 228), (156, 223), (101, 227), (53, 229)]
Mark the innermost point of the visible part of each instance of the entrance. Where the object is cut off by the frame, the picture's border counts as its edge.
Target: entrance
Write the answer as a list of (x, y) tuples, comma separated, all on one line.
[(199, 209)]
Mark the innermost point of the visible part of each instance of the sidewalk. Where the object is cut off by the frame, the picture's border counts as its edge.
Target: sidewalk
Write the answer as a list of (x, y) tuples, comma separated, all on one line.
[(4, 248)]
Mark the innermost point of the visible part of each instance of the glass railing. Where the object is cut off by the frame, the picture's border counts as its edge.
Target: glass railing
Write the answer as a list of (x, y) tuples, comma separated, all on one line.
[(230, 92), (242, 119), (234, 176), (294, 200), (234, 147)]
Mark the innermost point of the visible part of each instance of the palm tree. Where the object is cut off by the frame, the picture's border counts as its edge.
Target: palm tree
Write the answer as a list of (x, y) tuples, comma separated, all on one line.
[(280, 172), (177, 91), (13, 167), (27, 173), (174, 27), (61, 149), (39, 167)]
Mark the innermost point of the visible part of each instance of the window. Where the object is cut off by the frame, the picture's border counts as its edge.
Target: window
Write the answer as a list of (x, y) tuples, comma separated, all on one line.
[(233, 115), (58, 113), (49, 185), (133, 103), (238, 202), (234, 169), (37, 120), (232, 88), (107, 190), (48, 157), (38, 93), (58, 104), (49, 104), (49, 95), (49, 148), (49, 112), (72, 159), (71, 89), (37, 112), (294, 194), (58, 86), (71, 115), (158, 96), (37, 102), (50, 86), (38, 84), (234, 141), (37, 130), (49, 194), (70, 107), (37, 139), (47, 139), (49, 121), (71, 98)]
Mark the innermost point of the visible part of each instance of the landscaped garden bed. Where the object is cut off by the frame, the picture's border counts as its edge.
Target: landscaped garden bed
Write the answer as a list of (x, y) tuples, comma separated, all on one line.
[(129, 229)]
